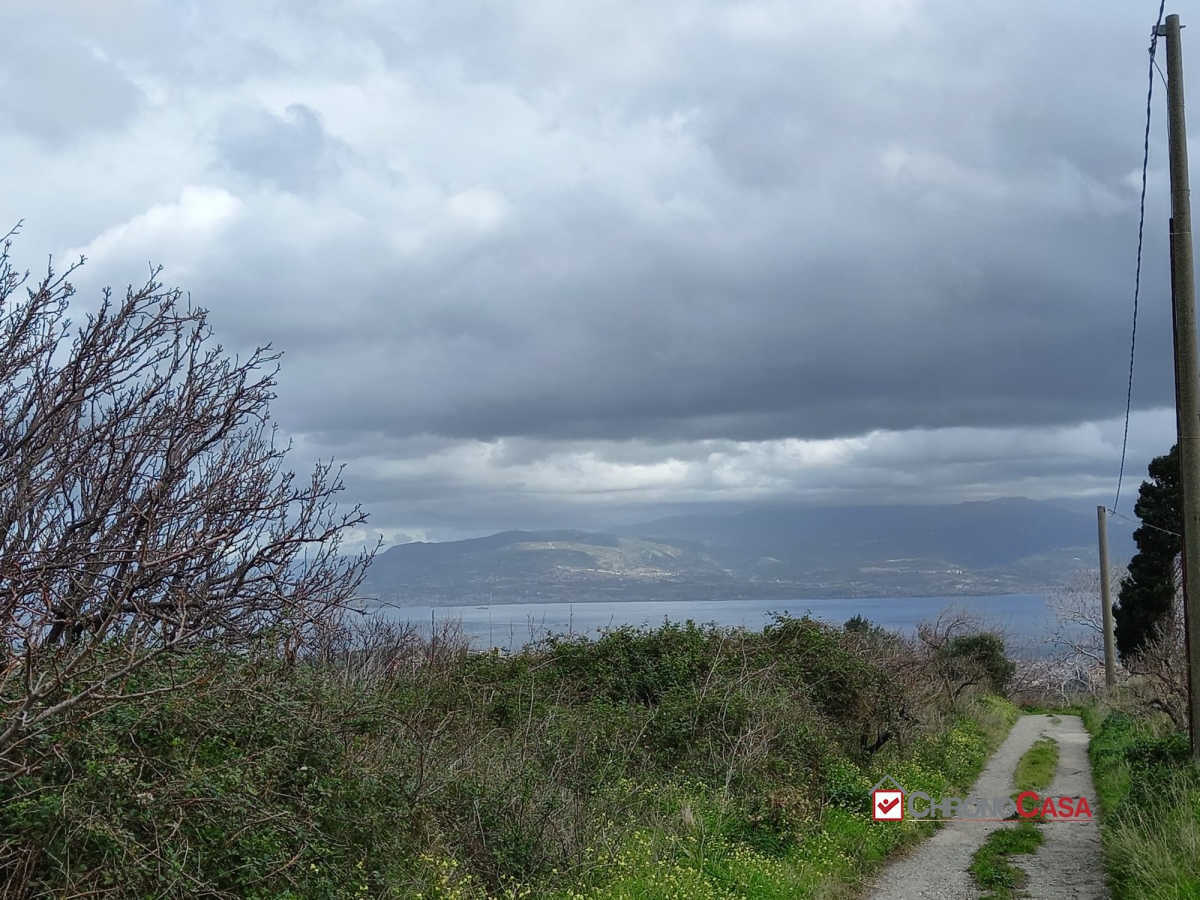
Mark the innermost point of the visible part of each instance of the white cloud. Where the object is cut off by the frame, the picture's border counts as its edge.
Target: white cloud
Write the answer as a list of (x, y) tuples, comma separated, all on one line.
[(195, 218), (943, 465), (477, 208)]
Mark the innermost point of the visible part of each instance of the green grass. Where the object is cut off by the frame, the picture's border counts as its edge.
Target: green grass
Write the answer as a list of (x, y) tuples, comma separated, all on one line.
[(992, 867), (1149, 795), (1037, 765), (1036, 768), (995, 716), (680, 762), (831, 860)]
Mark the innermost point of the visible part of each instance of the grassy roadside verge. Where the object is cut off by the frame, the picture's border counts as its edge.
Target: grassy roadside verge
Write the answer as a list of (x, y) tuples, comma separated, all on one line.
[(1149, 796), (992, 867)]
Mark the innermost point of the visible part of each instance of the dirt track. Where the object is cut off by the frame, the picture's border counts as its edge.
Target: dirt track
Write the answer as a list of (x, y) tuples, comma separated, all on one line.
[(1067, 864)]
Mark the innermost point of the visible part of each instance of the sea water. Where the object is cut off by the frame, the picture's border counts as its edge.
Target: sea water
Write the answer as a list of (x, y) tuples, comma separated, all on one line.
[(1026, 620)]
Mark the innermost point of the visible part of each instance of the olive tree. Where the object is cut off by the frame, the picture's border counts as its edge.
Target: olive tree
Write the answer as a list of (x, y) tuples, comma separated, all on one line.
[(144, 503)]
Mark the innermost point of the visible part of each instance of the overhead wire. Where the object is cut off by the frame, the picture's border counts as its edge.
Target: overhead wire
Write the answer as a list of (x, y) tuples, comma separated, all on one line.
[(1113, 512), (1137, 279)]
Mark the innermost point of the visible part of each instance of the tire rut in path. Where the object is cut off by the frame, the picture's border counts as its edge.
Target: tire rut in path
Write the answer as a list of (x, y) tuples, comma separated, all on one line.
[(1067, 864)]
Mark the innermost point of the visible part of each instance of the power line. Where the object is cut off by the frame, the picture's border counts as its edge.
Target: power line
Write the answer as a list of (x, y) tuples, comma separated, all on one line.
[(1113, 512), (1137, 279)]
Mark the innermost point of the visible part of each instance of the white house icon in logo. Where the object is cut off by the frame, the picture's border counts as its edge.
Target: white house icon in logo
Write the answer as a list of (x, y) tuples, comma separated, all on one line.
[(887, 800)]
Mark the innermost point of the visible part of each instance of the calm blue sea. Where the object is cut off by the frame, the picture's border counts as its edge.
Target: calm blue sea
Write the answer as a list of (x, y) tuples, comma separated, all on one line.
[(1025, 618)]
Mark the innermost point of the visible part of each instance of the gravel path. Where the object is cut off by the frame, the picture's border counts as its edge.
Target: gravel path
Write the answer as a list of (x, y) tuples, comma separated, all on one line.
[(1067, 864)]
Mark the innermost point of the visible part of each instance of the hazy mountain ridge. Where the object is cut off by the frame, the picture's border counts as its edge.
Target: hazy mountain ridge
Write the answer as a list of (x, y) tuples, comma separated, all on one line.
[(981, 534), (1004, 546)]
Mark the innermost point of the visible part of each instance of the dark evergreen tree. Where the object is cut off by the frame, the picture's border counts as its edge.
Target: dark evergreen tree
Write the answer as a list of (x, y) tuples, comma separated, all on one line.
[(1145, 594)]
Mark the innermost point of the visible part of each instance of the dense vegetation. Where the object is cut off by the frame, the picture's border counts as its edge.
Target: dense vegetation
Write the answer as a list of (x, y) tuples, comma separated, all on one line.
[(181, 714), (682, 761), (1149, 796)]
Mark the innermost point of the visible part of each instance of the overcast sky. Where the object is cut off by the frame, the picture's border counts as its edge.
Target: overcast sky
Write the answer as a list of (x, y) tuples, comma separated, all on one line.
[(561, 263)]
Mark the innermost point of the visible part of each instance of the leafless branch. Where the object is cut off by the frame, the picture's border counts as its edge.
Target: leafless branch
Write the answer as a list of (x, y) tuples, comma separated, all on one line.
[(144, 502)]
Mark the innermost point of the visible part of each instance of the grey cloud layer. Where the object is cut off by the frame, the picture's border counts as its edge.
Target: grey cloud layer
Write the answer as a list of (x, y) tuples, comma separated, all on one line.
[(659, 223)]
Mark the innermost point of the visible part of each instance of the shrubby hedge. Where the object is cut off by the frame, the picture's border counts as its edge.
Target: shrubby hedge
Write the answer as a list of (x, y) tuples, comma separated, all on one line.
[(680, 761)]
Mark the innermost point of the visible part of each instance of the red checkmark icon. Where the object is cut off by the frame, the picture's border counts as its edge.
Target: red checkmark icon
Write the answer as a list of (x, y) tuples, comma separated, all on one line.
[(886, 806)]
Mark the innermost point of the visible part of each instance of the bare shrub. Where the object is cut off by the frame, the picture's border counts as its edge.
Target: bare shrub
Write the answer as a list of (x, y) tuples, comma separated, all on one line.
[(1159, 669), (144, 506)]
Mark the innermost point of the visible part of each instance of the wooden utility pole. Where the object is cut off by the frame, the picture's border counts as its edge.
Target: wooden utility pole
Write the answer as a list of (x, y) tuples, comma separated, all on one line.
[(1187, 367), (1174, 323), (1110, 656)]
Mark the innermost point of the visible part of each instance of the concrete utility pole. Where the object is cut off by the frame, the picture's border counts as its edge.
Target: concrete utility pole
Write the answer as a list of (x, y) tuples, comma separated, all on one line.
[(1187, 367), (1110, 657)]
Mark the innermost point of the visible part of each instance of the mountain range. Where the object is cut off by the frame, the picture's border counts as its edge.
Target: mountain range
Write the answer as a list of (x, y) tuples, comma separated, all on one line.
[(1012, 545)]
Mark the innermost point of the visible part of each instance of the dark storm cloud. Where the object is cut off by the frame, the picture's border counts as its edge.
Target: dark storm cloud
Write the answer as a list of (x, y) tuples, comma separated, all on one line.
[(454, 491), (488, 239), (986, 326), (938, 239)]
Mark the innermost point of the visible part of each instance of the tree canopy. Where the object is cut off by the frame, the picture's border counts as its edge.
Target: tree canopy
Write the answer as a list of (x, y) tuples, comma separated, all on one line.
[(1146, 594)]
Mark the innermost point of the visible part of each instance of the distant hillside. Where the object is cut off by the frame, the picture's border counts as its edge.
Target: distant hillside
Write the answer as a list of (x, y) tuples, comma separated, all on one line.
[(984, 534), (516, 566), (1003, 546)]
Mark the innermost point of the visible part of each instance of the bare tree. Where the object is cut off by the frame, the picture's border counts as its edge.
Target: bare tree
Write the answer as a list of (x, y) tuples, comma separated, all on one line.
[(1155, 677), (1079, 617), (1159, 668), (951, 622), (144, 505), (1075, 663)]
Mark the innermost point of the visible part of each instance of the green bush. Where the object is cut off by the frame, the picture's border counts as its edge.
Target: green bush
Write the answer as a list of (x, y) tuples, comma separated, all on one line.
[(737, 755), (978, 659)]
